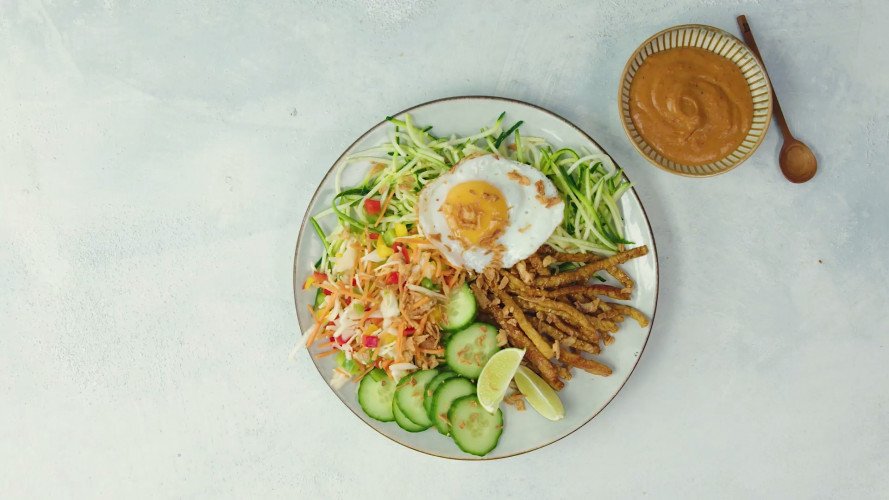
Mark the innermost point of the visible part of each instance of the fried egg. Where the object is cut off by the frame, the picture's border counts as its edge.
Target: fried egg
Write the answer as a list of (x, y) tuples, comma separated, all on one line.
[(489, 212)]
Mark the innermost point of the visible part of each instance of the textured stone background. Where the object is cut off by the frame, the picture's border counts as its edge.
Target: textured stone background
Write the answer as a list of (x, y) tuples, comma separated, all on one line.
[(156, 159)]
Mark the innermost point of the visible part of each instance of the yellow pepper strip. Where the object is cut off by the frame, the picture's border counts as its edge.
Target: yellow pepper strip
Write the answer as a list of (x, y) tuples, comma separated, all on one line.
[(383, 250)]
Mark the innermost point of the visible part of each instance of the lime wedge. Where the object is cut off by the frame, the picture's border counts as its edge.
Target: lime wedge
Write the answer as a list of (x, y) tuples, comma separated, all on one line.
[(495, 376), (539, 394)]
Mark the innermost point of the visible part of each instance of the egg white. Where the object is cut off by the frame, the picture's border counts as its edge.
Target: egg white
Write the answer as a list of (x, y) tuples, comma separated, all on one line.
[(531, 222)]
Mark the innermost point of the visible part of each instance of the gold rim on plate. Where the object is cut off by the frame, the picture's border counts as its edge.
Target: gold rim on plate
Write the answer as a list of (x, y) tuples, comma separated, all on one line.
[(304, 229), (719, 42)]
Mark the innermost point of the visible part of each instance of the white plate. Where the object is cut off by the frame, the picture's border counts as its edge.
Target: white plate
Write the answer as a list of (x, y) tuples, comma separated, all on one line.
[(585, 395)]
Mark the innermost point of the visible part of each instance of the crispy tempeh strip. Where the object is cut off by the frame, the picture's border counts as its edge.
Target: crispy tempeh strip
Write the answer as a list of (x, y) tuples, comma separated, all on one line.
[(580, 307), (583, 304), (591, 307), (517, 338), (565, 311), (621, 276), (537, 265), (590, 291), (513, 310), (524, 274), (575, 257), (612, 315), (564, 372), (587, 365), (585, 335), (605, 325), (567, 339), (584, 273), (632, 312)]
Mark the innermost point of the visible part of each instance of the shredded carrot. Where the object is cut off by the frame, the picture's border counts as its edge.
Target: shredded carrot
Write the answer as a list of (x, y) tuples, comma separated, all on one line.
[(345, 293), (423, 300), (364, 281), (367, 287), (312, 312), (402, 292), (399, 343), (383, 208), (422, 326), (367, 314), (324, 313), (370, 286), (404, 314), (365, 372), (344, 372)]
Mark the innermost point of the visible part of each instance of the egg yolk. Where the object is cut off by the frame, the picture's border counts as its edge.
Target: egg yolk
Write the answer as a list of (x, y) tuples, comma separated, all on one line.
[(476, 213)]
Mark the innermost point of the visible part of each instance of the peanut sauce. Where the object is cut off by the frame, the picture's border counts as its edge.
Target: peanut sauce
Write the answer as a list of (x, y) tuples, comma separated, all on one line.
[(691, 105)]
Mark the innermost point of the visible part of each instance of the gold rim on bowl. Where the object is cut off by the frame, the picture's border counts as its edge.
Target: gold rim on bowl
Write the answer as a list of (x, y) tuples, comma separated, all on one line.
[(719, 42)]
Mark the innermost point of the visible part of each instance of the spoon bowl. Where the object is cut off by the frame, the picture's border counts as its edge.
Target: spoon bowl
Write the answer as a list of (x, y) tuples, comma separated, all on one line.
[(797, 161)]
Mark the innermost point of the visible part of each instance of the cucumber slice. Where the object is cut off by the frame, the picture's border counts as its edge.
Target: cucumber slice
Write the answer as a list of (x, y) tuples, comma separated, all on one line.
[(469, 349), (409, 397), (404, 422), (474, 429), (430, 390), (449, 391), (375, 395), (461, 309)]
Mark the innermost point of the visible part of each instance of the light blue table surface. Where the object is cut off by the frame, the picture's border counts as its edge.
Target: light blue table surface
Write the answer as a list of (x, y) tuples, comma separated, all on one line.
[(156, 160)]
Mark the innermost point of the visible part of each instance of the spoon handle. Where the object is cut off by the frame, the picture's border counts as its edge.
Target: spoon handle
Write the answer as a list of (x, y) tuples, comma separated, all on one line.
[(748, 37)]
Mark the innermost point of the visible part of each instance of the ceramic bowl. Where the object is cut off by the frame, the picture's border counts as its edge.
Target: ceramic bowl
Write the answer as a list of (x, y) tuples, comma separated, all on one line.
[(719, 42)]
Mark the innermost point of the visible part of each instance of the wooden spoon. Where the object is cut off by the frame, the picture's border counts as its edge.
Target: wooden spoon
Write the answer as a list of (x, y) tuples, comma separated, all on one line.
[(798, 163)]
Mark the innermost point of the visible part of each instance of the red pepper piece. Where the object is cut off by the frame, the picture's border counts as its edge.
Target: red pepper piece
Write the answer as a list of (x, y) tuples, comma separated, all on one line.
[(392, 279), (409, 331), (372, 207), (399, 247), (370, 341)]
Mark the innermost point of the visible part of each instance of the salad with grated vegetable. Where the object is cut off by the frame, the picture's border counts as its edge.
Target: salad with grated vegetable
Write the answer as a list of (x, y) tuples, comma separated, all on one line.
[(387, 300)]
